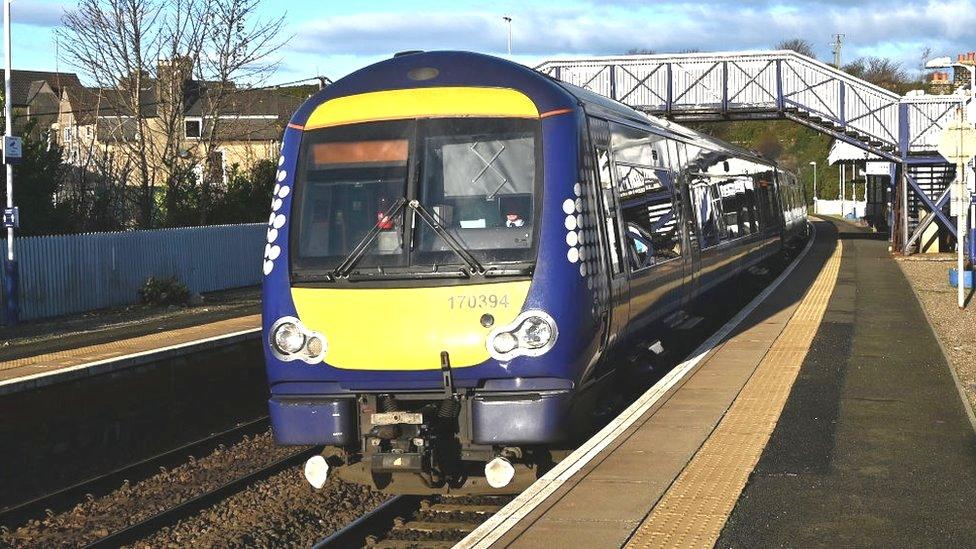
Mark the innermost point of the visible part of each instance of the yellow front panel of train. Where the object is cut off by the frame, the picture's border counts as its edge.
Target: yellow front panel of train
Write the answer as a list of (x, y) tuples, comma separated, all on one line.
[(407, 328)]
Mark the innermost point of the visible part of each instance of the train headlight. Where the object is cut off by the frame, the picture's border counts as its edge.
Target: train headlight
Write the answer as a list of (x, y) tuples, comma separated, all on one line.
[(290, 340), (532, 333)]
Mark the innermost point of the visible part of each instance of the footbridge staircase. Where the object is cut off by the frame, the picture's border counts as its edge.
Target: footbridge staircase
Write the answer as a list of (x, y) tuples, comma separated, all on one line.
[(765, 85)]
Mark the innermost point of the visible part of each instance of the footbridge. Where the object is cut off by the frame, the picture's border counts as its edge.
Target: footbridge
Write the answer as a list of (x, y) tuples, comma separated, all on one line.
[(763, 85)]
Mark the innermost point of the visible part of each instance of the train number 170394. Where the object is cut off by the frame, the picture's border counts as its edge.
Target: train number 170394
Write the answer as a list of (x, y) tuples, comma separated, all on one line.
[(479, 301)]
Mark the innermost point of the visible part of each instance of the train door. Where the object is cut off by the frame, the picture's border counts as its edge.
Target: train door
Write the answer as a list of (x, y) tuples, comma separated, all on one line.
[(617, 278), (692, 261)]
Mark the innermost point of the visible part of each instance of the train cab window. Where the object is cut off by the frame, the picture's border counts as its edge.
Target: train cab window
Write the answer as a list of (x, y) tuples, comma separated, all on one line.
[(479, 178), (647, 203), (348, 180)]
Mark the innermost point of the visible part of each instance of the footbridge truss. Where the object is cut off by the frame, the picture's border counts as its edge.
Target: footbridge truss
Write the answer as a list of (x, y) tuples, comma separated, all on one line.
[(764, 85)]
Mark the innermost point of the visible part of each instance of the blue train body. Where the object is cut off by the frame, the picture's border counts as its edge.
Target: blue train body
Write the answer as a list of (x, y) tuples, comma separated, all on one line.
[(626, 221)]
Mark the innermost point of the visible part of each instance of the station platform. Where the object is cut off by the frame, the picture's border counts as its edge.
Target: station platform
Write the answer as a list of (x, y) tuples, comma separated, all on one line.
[(33, 371), (825, 413)]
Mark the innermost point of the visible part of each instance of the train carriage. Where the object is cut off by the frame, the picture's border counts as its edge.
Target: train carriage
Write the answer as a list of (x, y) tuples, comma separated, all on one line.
[(460, 250)]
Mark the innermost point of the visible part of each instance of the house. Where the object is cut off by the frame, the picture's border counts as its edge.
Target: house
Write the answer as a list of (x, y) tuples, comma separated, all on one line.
[(36, 96), (207, 126)]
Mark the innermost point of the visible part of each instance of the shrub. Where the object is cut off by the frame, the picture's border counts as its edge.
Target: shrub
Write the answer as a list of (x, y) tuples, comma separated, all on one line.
[(164, 291)]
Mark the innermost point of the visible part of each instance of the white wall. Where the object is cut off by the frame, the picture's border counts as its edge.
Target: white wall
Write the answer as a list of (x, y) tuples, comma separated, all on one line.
[(833, 207)]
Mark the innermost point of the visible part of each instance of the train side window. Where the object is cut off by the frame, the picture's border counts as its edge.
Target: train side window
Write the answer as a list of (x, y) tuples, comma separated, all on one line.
[(635, 146), (704, 202), (738, 207), (650, 218)]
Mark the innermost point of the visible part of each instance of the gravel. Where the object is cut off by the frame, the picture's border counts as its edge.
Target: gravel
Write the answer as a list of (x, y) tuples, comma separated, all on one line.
[(955, 328), (282, 511), (284, 495)]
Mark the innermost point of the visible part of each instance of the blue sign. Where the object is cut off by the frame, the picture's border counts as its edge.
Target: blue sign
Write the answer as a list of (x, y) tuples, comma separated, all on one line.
[(11, 218)]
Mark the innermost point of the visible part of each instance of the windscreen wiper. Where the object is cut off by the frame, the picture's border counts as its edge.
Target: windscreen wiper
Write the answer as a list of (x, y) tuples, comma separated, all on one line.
[(461, 252), (359, 250)]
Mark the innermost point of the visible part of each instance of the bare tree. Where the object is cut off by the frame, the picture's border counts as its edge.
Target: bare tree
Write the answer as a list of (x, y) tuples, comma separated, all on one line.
[(113, 42), (799, 45), (155, 58), (880, 71), (236, 53)]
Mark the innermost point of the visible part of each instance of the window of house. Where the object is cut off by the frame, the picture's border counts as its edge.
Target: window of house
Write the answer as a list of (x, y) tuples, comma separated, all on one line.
[(193, 128), (66, 134)]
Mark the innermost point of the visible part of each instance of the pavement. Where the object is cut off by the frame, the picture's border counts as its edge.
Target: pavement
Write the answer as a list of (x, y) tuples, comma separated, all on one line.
[(38, 354), (874, 447), (828, 417)]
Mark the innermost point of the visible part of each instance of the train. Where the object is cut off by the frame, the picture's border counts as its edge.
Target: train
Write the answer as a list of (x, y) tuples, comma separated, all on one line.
[(462, 251)]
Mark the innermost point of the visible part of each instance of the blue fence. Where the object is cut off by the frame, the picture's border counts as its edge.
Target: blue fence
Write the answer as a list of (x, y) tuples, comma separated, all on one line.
[(74, 273)]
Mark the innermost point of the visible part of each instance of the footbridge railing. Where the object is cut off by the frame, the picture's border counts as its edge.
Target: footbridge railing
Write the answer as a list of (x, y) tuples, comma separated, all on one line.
[(757, 85)]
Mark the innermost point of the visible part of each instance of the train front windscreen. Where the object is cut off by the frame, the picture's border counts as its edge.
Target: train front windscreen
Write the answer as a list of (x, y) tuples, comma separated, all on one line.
[(438, 197)]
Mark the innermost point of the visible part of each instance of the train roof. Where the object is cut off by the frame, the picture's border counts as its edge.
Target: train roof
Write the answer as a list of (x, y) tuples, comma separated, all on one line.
[(452, 68)]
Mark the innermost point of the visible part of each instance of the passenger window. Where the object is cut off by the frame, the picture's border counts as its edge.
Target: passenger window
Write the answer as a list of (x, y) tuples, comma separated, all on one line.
[(707, 208), (650, 216), (635, 146), (738, 197)]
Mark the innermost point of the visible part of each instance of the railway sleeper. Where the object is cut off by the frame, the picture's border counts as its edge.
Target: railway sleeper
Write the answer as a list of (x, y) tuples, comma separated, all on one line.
[(424, 530)]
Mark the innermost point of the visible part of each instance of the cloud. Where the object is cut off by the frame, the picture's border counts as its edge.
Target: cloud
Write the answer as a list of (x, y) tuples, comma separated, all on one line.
[(871, 28), (36, 14)]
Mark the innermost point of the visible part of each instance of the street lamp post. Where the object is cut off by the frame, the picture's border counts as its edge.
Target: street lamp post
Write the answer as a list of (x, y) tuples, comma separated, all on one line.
[(10, 215), (509, 21), (814, 164)]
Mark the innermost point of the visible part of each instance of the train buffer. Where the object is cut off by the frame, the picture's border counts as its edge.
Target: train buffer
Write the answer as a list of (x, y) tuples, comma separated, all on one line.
[(23, 367), (824, 414)]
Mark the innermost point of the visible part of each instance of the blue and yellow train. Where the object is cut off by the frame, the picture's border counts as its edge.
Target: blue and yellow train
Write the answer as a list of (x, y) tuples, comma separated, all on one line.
[(461, 249)]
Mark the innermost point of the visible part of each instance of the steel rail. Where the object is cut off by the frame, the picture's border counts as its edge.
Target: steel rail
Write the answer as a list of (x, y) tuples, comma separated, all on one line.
[(147, 527), (377, 521), (63, 499)]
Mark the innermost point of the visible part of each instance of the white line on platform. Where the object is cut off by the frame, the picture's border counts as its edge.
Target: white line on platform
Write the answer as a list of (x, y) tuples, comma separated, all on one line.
[(499, 524), (99, 364)]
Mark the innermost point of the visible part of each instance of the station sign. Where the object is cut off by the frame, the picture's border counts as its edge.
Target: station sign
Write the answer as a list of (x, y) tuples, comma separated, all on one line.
[(11, 218), (13, 149), (877, 167)]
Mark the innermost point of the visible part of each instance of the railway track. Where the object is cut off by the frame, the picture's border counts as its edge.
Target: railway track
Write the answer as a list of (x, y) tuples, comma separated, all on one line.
[(186, 508), (412, 522), (102, 484)]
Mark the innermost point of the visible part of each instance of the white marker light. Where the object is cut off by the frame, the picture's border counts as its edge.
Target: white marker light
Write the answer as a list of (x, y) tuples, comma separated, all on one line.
[(499, 472), (505, 342), (316, 471)]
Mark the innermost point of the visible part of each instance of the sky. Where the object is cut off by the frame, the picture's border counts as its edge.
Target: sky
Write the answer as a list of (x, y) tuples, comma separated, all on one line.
[(335, 38)]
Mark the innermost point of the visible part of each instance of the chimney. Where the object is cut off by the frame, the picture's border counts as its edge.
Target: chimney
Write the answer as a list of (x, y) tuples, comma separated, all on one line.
[(173, 78)]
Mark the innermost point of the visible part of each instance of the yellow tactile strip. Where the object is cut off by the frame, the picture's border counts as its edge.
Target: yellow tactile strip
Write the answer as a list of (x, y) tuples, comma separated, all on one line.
[(123, 347), (695, 508)]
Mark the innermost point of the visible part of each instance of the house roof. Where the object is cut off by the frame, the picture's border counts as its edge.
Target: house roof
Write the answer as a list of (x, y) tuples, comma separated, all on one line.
[(21, 83), (245, 114)]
